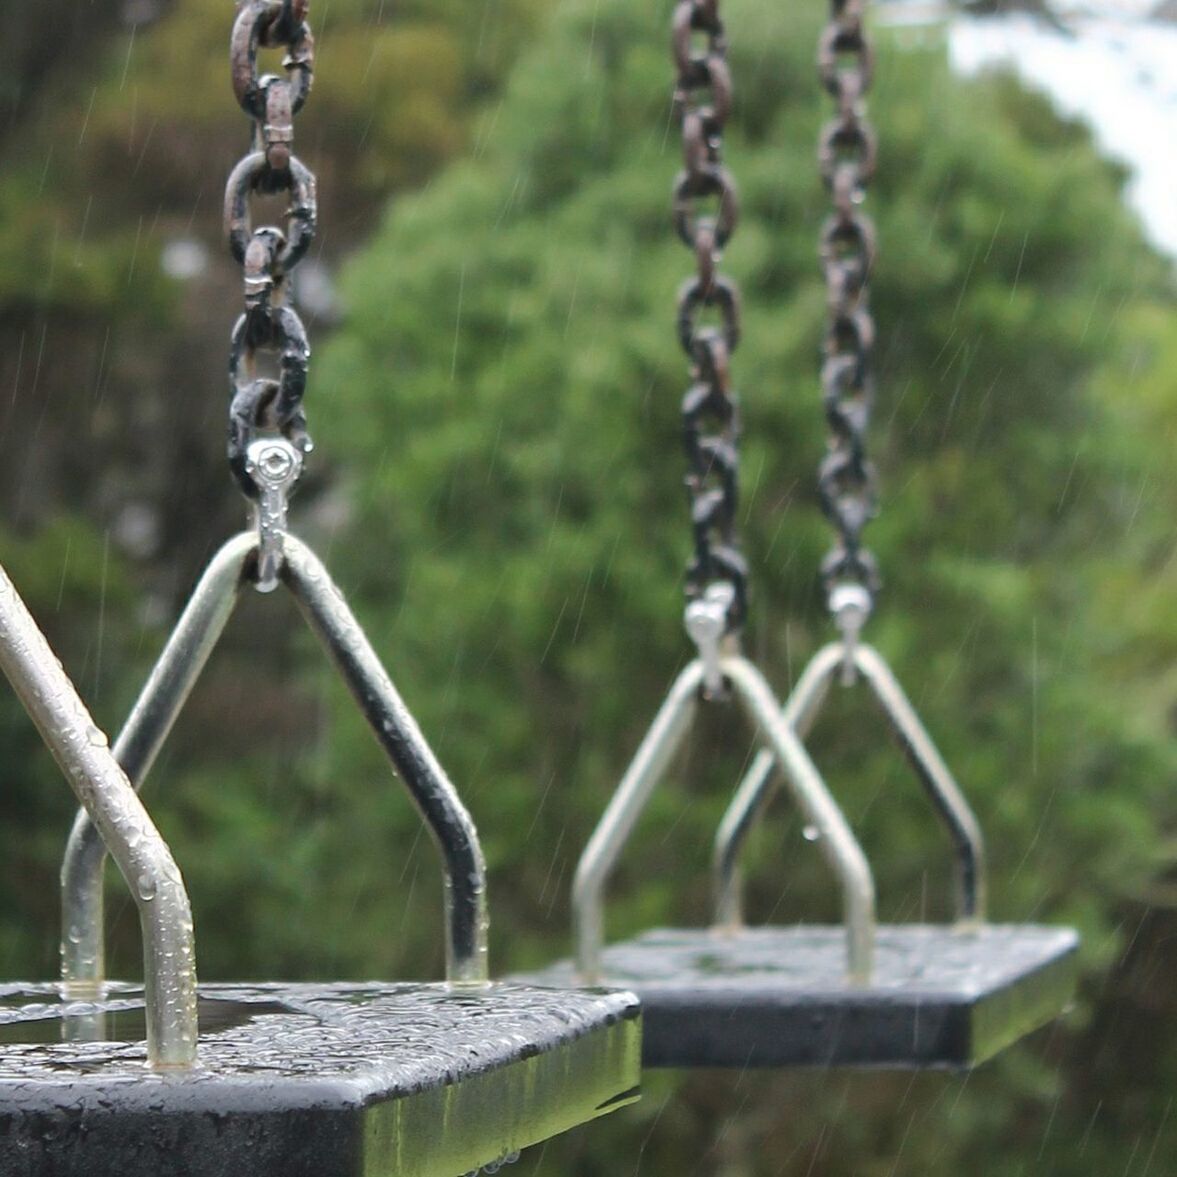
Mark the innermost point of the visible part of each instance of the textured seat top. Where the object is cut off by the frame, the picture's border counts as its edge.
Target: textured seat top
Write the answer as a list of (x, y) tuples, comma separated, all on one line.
[(358, 1040), (309, 1080), (780, 997), (919, 959)]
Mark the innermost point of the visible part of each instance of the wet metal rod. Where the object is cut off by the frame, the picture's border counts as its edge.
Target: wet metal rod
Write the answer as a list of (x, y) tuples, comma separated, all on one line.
[(138, 744), (647, 768), (835, 838), (80, 748), (434, 795), (799, 713), (161, 700)]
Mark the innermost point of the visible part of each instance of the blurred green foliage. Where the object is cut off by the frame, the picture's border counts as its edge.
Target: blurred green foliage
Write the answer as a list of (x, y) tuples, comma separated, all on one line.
[(512, 397), (501, 406), (150, 120)]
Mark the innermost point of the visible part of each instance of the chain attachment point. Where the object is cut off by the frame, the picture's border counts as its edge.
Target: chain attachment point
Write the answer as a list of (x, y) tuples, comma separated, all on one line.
[(850, 604), (707, 622), (274, 465)]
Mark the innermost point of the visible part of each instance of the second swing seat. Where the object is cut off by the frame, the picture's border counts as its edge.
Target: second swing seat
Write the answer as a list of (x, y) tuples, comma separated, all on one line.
[(780, 997), (860, 994)]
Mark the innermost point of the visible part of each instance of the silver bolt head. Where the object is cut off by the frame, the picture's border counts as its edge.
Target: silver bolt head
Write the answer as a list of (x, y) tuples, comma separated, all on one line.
[(704, 622), (850, 600), (273, 462)]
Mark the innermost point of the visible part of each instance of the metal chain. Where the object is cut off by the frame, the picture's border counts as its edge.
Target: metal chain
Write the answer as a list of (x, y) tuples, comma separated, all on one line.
[(847, 151), (706, 209), (268, 254)]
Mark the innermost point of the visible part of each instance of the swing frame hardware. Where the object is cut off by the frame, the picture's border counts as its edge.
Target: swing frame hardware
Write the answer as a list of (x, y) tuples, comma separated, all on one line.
[(300, 1080), (164, 695), (118, 821), (799, 714), (275, 466), (850, 605), (706, 623), (649, 765)]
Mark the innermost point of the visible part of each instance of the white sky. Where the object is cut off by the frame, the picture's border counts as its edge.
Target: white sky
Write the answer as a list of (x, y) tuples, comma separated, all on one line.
[(1118, 75)]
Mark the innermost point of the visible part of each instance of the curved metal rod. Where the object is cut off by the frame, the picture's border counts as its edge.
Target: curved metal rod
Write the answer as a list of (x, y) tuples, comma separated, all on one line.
[(944, 793), (799, 713), (436, 798), (835, 838), (647, 768), (83, 966), (164, 695), (659, 746), (754, 793), (146, 863)]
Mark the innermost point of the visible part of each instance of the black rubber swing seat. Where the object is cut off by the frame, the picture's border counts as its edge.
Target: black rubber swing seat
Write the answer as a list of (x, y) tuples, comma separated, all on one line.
[(779, 997), (311, 1080), (274, 1080), (859, 994)]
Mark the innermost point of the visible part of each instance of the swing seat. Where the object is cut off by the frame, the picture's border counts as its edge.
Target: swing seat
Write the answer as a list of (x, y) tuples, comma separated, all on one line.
[(301, 1080), (856, 994), (309, 1080), (938, 997)]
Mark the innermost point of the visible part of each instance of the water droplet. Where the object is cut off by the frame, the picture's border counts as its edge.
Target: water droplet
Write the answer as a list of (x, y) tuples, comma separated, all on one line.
[(96, 736), (811, 833), (146, 886)]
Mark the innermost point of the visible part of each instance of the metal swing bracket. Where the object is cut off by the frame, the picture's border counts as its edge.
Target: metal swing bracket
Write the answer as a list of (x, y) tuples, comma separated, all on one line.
[(239, 562), (852, 658), (713, 671), (275, 466), (706, 623), (117, 819)]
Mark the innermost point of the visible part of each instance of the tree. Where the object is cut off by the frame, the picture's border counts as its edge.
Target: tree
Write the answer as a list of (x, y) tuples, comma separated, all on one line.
[(508, 391)]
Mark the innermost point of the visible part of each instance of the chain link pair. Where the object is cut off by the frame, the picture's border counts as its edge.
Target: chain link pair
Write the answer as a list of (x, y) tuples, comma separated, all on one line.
[(847, 152), (706, 210), (268, 254)]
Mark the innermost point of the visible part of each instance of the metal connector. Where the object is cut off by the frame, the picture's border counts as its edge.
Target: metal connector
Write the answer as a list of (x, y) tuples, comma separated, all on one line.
[(274, 464), (851, 605), (706, 623)]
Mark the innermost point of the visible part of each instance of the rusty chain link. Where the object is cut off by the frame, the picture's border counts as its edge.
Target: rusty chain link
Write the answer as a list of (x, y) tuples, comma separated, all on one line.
[(268, 254), (847, 149), (706, 210)]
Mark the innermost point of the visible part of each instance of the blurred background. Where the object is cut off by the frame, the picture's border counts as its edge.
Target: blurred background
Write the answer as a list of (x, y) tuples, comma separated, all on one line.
[(497, 485)]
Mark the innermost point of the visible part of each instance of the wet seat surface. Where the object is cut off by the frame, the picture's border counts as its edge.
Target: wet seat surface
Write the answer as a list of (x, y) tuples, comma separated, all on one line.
[(310, 1079), (779, 997)]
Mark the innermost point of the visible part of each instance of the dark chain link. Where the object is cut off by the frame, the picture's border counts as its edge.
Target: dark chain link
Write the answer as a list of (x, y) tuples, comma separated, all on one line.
[(846, 156), (268, 254), (706, 209)]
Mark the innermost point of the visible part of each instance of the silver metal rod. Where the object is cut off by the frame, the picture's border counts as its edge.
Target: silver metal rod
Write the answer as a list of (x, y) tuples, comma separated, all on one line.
[(835, 838), (80, 748), (755, 791), (800, 711), (647, 768), (159, 704), (165, 693), (436, 798), (950, 804)]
